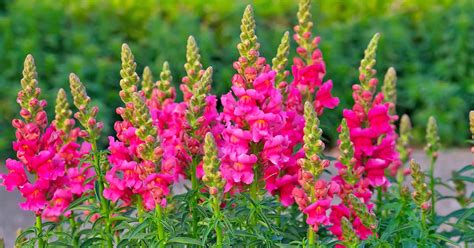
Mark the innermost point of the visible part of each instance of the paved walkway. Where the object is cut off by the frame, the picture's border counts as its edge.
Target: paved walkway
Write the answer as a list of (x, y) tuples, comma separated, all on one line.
[(12, 217)]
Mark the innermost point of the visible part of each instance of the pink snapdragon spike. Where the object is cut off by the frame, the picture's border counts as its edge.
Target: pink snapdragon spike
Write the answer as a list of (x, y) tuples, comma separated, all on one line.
[(308, 69), (367, 146), (135, 154), (313, 195), (48, 153), (254, 146), (369, 122)]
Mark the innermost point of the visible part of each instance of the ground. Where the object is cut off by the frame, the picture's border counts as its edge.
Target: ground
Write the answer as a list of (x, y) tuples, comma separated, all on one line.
[(12, 217)]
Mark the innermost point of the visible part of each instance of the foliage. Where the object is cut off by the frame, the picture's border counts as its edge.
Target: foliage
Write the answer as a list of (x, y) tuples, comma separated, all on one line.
[(85, 36)]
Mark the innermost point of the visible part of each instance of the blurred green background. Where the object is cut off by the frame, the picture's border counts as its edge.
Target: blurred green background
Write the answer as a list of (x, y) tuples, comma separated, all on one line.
[(431, 44)]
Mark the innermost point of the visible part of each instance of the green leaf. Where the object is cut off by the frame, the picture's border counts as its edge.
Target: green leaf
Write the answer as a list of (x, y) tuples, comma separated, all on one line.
[(185, 240), (441, 237), (23, 234), (89, 242)]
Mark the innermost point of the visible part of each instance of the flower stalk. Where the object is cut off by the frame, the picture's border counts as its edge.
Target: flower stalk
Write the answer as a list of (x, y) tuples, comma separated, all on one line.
[(432, 149), (87, 117), (214, 182)]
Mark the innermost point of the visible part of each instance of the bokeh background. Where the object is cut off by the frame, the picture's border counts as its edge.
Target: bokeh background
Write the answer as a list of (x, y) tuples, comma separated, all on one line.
[(429, 42)]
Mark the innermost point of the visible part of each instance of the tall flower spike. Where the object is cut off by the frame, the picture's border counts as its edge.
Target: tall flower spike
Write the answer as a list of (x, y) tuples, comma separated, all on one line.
[(404, 140), (211, 164), (366, 69), (193, 69), (164, 84), (248, 46), (389, 89), (62, 119), (130, 78), (350, 238), (303, 29), (367, 218), (281, 59), (421, 194), (145, 129), (346, 153), (87, 114), (147, 82), (193, 64), (197, 102), (313, 145), (29, 94), (471, 123), (432, 138)]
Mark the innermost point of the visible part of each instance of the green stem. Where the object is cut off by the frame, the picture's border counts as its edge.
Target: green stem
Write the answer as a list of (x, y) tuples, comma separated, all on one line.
[(140, 209), (423, 224), (195, 188), (105, 211), (73, 223), (379, 199), (432, 188), (160, 228), (311, 237), (39, 231), (278, 218), (217, 213)]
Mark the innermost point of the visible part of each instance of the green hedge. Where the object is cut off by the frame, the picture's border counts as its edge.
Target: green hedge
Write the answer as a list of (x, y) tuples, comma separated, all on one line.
[(430, 44)]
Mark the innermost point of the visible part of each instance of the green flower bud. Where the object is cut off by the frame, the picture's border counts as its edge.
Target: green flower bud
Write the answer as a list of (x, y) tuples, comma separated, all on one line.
[(197, 103), (164, 84), (304, 27), (366, 69), (367, 218), (432, 139), (29, 90), (193, 62), (350, 238), (471, 123), (248, 46), (421, 194), (389, 88), (86, 114), (211, 164), (147, 82), (313, 145), (404, 140), (62, 119), (281, 59), (145, 129), (130, 78), (346, 153)]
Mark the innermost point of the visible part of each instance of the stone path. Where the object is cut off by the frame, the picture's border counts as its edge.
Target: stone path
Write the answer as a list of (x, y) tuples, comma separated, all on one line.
[(12, 218)]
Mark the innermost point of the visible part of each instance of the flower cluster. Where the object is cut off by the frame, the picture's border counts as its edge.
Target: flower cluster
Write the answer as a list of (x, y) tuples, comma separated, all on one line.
[(367, 145), (49, 153), (136, 153), (256, 139), (314, 195), (308, 69)]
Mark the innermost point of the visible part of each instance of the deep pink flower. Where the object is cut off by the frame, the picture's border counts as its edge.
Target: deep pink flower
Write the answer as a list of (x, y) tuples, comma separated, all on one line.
[(317, 213), (16, 176), (308, 77), (239, 169), (35, 195), (379, 119), (324, 98), (56, 207), (78, 177)]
